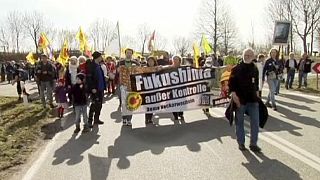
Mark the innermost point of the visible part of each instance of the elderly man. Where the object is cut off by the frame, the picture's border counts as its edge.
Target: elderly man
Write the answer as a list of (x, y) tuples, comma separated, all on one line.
[(244, 86)]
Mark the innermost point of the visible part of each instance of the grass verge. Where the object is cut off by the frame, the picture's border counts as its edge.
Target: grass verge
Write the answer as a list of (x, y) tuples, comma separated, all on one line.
[(311, 89), (20, 129)]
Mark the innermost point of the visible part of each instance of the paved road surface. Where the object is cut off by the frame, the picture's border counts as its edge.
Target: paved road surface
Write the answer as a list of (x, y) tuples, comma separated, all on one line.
[(199, 148)]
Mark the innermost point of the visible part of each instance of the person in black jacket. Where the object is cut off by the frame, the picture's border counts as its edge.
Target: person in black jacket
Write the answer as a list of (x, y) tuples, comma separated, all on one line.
[(3, 72), (96, 83), (45, 74), (270, 69), (79, 95), (291, 66), (244, 88), (304, 67)]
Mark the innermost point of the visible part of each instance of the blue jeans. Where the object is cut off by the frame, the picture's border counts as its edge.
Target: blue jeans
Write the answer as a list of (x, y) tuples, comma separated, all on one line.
[(303, 77), (81, 110), (290, 77), (272, 90), (253, 111), (46, 85)]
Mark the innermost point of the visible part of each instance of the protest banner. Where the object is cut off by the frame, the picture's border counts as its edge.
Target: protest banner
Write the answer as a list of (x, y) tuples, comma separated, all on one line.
[(167, 89), (281, 32)]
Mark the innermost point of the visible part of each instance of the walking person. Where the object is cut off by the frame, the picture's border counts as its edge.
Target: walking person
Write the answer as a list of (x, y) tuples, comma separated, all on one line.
[(79, 94), (260, 65), (208, 64), (19, 77), (270, 70), (151, 62), (61, 97), (304, 67), (127, 62), (96, 85), (3, 72), (70, 76), (280, 63), (111, 68), (9, 71), (291, 66), (176, 62), (46, 74), (244, 88)]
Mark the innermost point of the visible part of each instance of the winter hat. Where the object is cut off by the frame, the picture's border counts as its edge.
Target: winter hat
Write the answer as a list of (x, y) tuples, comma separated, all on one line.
[(96, 55), (81, 76)]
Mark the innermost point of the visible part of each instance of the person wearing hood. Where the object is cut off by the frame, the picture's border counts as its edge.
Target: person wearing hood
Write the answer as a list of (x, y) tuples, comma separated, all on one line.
[(71, 75)]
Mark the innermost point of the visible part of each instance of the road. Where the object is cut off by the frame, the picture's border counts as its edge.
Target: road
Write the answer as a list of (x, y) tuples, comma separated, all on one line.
[(198, 148)]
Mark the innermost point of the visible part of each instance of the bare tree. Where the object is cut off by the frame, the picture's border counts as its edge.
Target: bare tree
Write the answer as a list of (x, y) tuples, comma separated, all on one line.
[(280, 10), (142, 36), (228, 32), (209, 20), (182, 45), (68, 35), (15, 20), (5, 37), (128, 42), (34, 24), (102, 33), (305, 16), (94, 33), (160, 42)]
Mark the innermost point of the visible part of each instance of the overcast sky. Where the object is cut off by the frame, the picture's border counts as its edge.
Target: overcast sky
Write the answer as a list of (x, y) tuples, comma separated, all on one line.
[(169, 17)]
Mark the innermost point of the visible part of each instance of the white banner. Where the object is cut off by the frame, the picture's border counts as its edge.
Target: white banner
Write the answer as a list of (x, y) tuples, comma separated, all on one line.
[(154, 90)]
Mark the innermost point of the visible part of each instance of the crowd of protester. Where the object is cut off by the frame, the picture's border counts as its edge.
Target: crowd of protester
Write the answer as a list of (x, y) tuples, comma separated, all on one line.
[(83, 81)]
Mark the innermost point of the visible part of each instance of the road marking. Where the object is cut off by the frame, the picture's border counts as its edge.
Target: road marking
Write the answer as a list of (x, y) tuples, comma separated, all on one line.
[(303, 95), (284, 145), (36, 165)]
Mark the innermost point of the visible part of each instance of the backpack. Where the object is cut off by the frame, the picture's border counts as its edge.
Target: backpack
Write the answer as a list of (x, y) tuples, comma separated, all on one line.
[(23, 75)]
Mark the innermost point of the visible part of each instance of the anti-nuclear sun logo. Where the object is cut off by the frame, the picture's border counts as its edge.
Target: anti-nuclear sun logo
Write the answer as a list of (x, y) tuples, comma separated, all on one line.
[(134, 101)]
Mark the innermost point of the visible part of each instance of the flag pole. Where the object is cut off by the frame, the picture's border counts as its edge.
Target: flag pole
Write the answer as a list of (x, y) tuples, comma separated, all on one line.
[(119, 39)]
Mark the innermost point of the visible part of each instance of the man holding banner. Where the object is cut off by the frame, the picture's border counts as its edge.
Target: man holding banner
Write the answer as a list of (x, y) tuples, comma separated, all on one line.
[(127, 62)]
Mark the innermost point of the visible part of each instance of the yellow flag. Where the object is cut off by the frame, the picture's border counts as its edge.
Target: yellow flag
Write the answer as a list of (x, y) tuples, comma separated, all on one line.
[(196, 54), (64, 53), (30, 58), (206, 46), (136, 55), (43, 41), (82, 38), (123, 54)]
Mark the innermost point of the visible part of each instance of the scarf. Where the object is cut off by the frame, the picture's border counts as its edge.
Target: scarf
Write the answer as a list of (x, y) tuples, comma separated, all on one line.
[(73, 73)]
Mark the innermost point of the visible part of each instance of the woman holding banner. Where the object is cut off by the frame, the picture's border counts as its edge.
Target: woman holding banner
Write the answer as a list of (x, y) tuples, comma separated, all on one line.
[(176, 62), (151, 62)]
